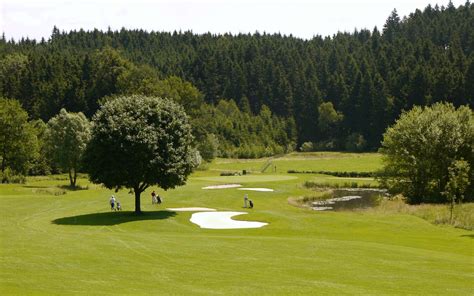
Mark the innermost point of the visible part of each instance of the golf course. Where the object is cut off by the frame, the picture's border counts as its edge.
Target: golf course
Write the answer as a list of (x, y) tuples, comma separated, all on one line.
[(58, 241)]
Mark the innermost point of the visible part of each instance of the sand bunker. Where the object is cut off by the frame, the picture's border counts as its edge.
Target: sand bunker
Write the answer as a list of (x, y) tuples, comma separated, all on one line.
[(190, 209), (257, 189), (222, 220), (224, 186)]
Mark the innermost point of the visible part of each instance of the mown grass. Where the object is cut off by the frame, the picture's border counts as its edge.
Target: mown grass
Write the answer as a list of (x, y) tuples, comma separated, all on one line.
[(71, 244), (308, 161)]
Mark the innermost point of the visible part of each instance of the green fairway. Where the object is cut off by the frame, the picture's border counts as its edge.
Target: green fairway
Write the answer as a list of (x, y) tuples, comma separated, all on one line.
[(59, 242), (312, 161), (247, 178)]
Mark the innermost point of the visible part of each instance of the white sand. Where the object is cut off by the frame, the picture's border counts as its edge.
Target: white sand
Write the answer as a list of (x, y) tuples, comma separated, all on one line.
[(257, 189), (190, 209), (222, 220), (224, 186)]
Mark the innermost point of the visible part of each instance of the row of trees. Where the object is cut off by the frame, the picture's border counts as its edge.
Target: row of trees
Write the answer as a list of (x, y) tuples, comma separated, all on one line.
[(33, 147), (133, 142), (369, 76), (138, 141), (106, 74)]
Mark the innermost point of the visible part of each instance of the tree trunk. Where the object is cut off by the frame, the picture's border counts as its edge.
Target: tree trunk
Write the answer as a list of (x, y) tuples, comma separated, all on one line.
[(72, 180), (451, 212), (75, 177), (137, 201)]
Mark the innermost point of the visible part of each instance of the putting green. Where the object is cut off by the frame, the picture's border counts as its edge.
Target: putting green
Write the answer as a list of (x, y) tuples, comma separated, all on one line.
[(246, 178)]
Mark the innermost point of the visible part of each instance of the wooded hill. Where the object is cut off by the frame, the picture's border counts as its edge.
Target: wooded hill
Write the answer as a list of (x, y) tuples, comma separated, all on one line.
[(338, 92)]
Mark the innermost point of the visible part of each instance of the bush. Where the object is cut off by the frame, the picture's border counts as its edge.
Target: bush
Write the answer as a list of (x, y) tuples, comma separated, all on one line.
[(307, 147), (208, 147), (8, 176), (316, 184), (328, 145), (230, 174), (337, 174), (355, 142)]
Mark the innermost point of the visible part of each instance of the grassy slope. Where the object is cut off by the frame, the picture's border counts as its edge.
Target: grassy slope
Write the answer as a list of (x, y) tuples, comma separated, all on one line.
[(72, 244), (316, 161)]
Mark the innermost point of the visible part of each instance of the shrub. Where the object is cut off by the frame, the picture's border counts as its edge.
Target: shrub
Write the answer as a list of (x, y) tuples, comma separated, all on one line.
[(355, 142), (208, 147), (337, 174), (317, 184), (8, 176), (307, 147), (230, 174)]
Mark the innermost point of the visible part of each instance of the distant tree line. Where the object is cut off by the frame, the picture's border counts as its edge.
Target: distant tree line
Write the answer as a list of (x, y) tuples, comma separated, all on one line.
[(251, 95)]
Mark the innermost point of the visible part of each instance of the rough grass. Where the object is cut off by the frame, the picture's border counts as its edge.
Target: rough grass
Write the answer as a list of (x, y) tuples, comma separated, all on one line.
[(463, 214), (71, 244)]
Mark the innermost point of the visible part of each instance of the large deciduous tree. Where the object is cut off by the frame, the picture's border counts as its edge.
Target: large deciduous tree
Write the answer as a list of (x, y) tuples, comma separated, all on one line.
[(422, 145), (67, 137), (18, 142), (140, 141)]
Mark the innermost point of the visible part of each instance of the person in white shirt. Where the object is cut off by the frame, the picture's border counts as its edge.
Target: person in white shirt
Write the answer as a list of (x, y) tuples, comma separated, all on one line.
[(112, 202)]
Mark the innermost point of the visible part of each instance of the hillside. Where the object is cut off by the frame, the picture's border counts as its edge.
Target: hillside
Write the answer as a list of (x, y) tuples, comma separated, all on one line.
[(368, 76)]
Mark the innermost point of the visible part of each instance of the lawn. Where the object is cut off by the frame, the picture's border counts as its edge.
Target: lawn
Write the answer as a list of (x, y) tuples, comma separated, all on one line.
[(311, 161), (54, 241)]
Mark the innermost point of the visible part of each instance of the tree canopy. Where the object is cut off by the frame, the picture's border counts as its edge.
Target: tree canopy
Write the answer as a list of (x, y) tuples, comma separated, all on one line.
[(18, 141), (67, 136), (140, 141), (422, 146)]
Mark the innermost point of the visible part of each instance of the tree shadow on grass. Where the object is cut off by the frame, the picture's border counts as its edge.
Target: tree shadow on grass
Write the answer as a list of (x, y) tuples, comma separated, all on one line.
[(468, 235), (112, 218)]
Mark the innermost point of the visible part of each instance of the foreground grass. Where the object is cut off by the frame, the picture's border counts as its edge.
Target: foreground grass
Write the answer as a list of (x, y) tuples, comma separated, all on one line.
[(71, 244)]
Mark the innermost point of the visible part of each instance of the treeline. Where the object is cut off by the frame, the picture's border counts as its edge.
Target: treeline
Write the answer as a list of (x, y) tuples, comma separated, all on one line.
[(241, 134), (338, 92), (81, 85)]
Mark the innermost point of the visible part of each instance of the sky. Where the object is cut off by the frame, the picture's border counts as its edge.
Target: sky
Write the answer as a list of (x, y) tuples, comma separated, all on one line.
[(301, 18)]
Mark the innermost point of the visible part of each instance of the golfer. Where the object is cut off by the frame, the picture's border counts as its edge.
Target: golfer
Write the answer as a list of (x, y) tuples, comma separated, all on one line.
[(112, 202), (246, 198)]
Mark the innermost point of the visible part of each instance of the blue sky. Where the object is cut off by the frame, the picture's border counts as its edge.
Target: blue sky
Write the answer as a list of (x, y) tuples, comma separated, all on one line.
[(302, 18)]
